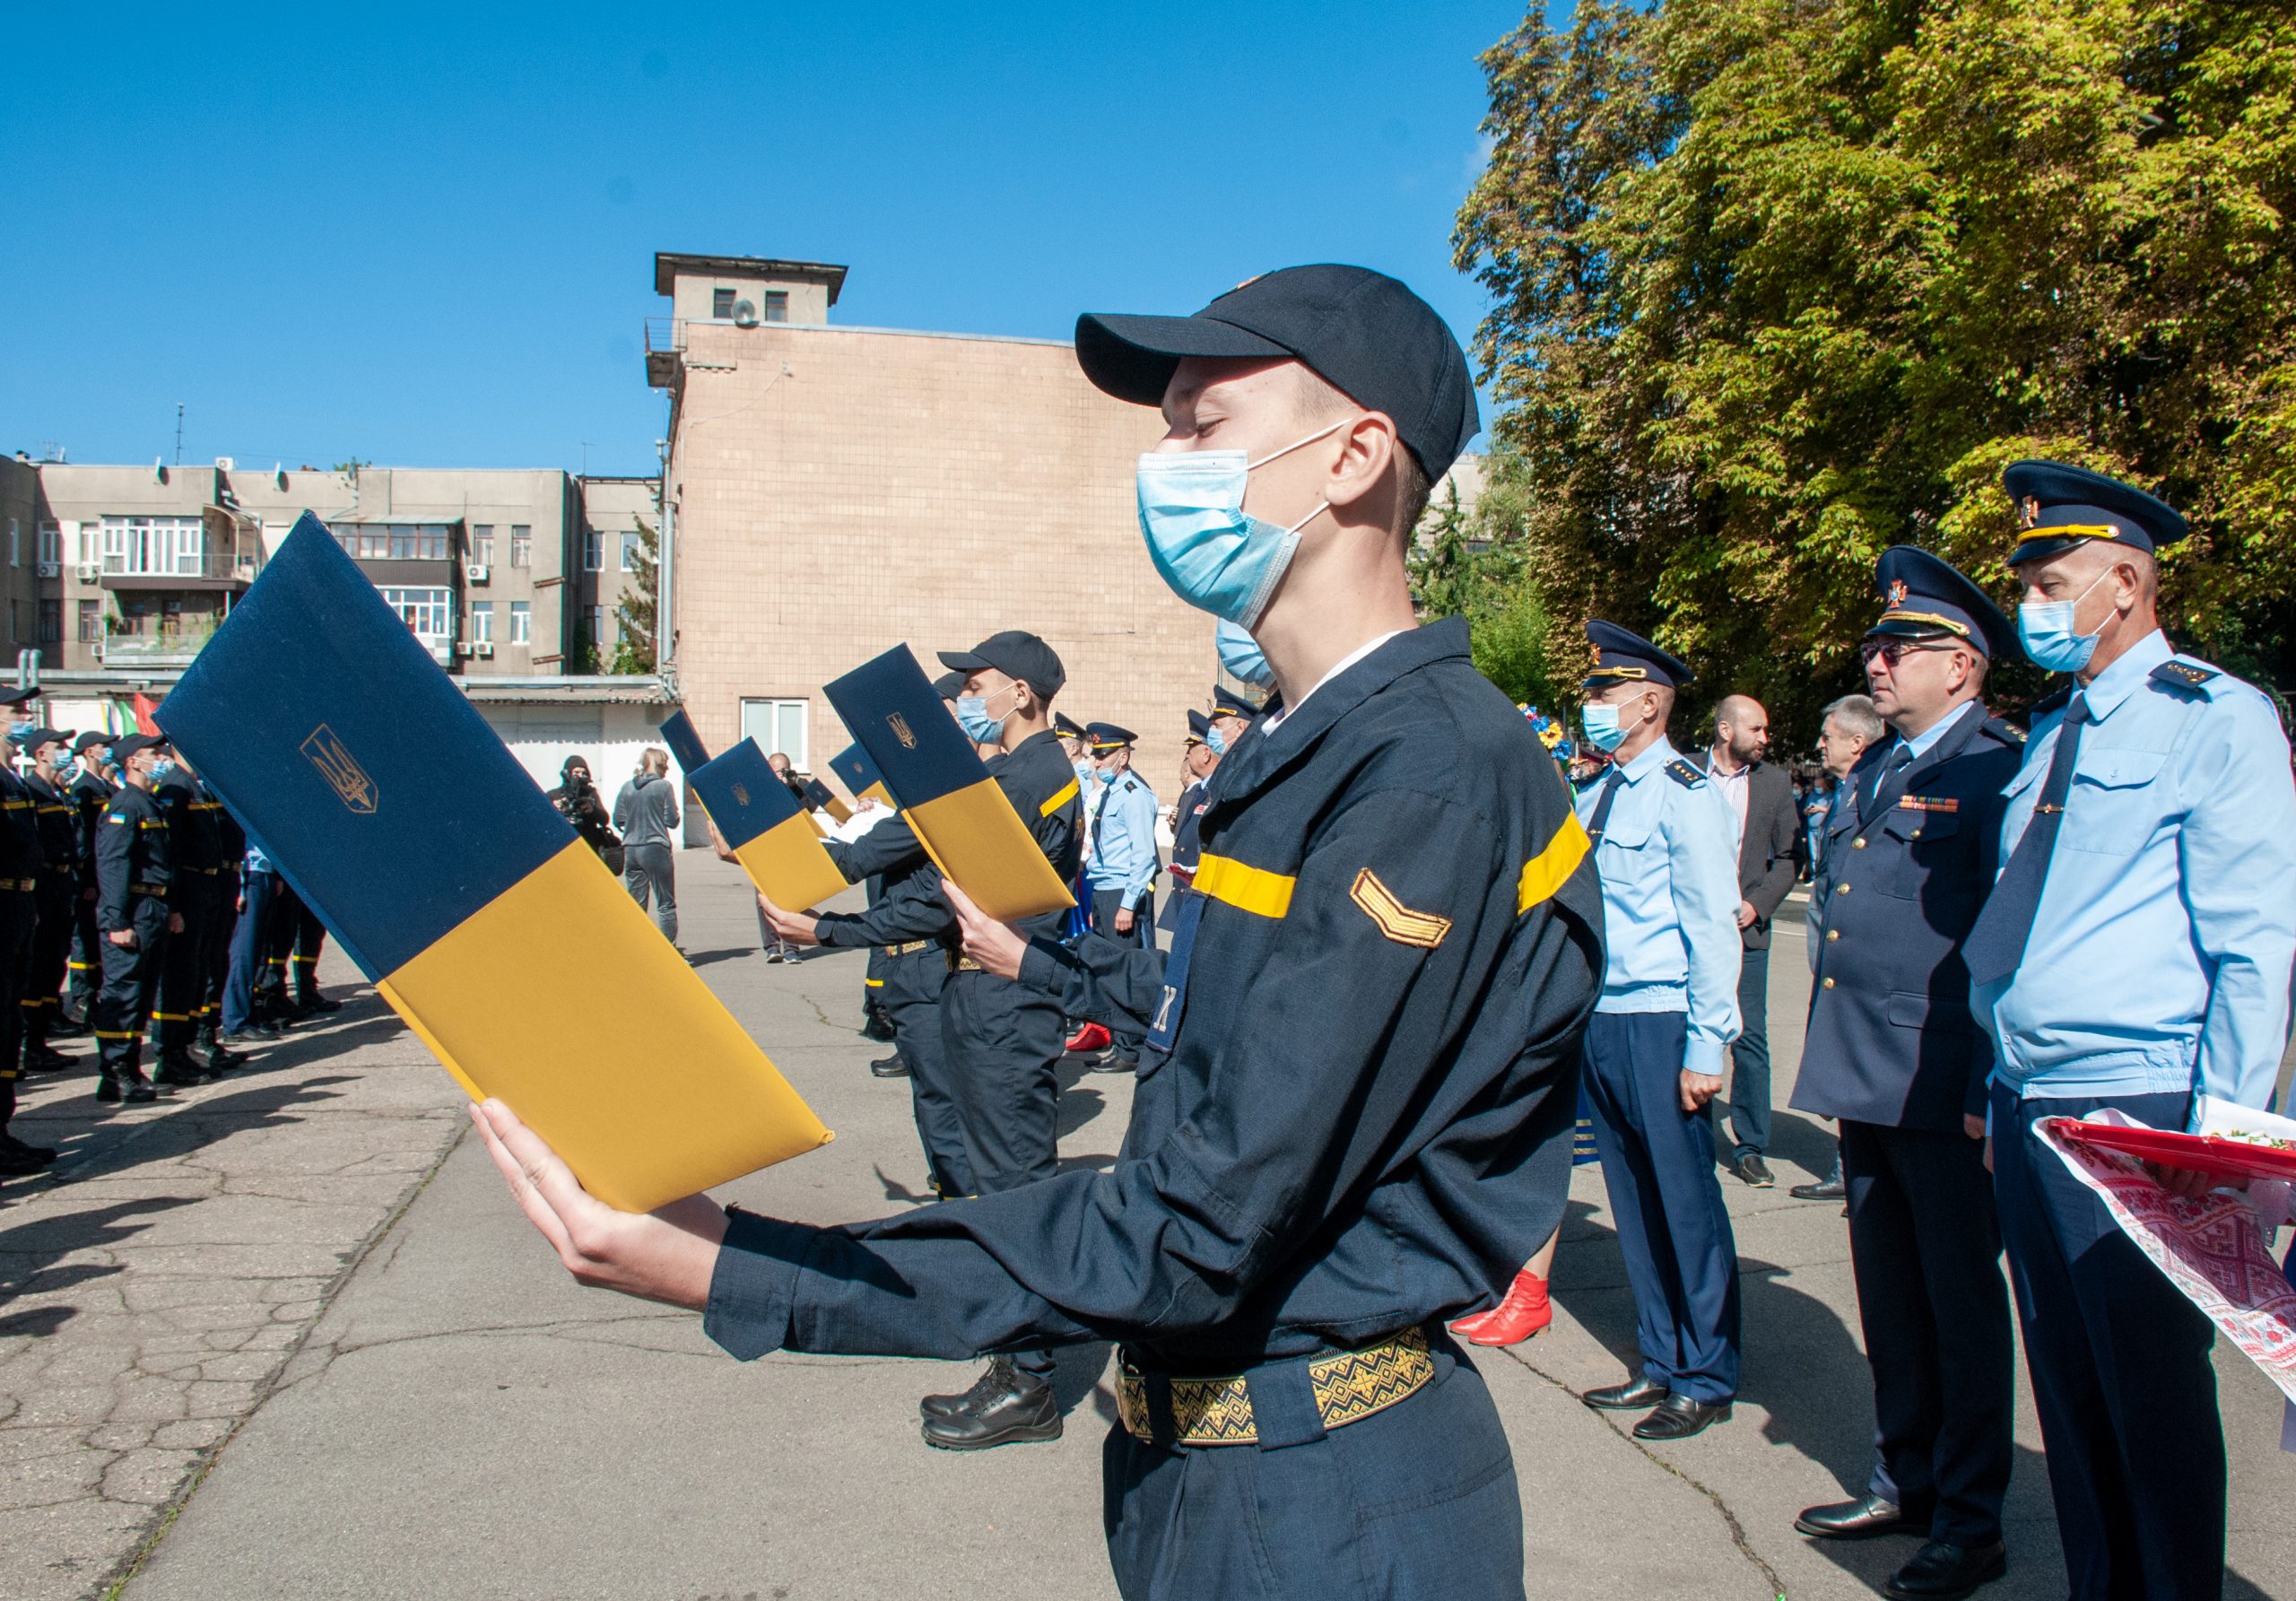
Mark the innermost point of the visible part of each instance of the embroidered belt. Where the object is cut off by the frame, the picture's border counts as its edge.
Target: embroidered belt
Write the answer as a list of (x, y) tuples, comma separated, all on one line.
[(158, 892), (18, 883), (962, 965), (908, 947), (1349, 1387)]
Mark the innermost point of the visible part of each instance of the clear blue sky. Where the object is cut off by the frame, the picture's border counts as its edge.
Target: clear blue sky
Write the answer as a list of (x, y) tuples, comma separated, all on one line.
[(426, 237)]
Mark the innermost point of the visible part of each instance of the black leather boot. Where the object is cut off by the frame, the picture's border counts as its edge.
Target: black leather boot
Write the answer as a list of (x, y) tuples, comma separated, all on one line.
[(1016, 1407)]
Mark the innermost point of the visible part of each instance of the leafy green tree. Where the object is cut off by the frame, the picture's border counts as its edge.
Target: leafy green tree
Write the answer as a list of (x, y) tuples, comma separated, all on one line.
[(1778, 284), (1459, 569), (634, 612)]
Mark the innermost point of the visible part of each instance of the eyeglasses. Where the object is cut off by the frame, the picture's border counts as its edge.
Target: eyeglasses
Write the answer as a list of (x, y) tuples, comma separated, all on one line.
[(1893, 651)]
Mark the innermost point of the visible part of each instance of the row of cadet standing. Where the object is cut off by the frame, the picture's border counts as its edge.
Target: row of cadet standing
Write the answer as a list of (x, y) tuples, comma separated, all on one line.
[(2002, 928), (133, 909)]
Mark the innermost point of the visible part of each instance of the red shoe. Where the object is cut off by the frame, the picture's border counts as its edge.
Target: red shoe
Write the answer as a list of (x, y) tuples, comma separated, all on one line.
[(1523, 1313), (1091, 1036)]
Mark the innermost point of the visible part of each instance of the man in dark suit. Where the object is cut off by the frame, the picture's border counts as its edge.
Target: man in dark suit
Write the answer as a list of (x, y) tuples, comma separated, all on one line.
[(1771, 854), (1895, 1054)]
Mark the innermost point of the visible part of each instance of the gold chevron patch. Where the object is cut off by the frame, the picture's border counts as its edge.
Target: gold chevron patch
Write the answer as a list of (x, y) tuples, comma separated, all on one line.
[(1397, 921)]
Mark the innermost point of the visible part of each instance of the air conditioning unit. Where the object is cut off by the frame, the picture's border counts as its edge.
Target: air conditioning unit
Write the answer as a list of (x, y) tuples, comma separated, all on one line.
[(744, 313), (226, 464), (482, 647), (476, 572), (89, 571), (49, 569)]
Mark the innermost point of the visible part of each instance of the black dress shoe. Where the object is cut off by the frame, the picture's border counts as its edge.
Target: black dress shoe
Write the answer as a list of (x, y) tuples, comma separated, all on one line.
[(1861, 1520), (1678, 1417), (1943, 1572), (891, 1066), (1630, 1397), (1825, 1189), (1753, 1171), (1017, 1406), (1113, 1063)]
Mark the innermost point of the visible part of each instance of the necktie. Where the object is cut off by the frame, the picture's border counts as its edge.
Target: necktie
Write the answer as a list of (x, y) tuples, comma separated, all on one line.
[(1997, 944), (1899, 758), (1610, 786)]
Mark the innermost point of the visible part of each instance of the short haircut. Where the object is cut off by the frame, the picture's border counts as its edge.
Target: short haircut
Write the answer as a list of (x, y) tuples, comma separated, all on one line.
[(1856, 716), (1320, 398)]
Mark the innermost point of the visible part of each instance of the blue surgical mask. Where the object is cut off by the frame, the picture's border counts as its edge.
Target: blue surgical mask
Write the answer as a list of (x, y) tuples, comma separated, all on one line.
[(1215, 742), (1215, 556), (1240, 655), (1083, 770), (1600, 720), (161, 769), (16, 731), (972, 716), (2045, 629), (1106, 775)]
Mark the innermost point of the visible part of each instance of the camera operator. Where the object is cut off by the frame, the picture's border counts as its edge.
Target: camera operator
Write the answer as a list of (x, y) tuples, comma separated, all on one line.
[(577, 801)]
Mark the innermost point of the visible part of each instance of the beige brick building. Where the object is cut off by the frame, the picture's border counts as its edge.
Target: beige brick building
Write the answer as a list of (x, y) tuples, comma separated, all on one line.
[(836, 491)]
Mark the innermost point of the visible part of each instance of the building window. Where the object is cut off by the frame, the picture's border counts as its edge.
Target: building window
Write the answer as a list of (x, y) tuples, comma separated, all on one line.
[(91, 622), (91, 544), (776, 309), (482, 544), (777, 725), (593, 554), (522, 623), (397, 542), (631, 549), (482, 622), (51, 545), (155, 546), (51, 622), (429, 613), (593, 624), (15, 545), (721, 304), (522, 542)]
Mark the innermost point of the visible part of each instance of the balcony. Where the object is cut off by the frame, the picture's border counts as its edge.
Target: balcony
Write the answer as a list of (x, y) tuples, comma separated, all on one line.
[(174, 648), (664, 348)]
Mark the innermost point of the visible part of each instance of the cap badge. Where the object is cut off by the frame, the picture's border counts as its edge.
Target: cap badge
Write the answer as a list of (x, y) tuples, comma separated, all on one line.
[(1897, 593), (2031, 511), (341, 771)]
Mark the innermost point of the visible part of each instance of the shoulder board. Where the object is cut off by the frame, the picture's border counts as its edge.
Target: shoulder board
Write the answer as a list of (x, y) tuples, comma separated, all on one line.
[(2008, 734), (2190, 678), (1681, 772), (2056, 702)]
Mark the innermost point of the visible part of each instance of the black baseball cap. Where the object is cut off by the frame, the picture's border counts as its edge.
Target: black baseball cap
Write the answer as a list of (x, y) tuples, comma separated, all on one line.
[(1016, 655), (949, 685), (123, 749), (93, 736), (32, 739), (1365, 334)]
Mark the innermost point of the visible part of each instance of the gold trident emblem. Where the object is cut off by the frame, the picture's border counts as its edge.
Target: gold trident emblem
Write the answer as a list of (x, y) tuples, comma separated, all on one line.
[(341, 771), (901, 731)]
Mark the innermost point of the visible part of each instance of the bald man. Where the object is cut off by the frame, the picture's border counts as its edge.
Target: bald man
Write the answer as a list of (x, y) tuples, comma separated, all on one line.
[(1771, 850)]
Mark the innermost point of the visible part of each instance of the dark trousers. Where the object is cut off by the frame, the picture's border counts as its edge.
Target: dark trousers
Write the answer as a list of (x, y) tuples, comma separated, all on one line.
[(223, 921), (2120, 1369), (245, 956), (84, 972), (1417, 1501), (19, 914), (183, 972), (1105, 904), (1673, 1228), (1750, 1059), (51, 949), (1925, 1245), (1001, 1043), (310, 939), (911, 999), (130, 987), (650, 874)]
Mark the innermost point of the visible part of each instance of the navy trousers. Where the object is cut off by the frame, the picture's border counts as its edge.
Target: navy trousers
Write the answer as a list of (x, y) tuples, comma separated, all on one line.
[(1419, 1500), (911, 999), (245, 974), (1925, 1246), (1673, 1228), (2120, 1369), (1749, 1104), (1105, 904)]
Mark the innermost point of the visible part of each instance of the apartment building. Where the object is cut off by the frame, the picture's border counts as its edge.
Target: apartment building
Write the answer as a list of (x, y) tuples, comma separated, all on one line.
[(27, 559), (619, 517)]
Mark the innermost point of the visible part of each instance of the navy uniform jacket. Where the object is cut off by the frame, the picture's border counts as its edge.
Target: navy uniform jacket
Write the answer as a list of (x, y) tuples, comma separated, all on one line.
[(194, 832), (1892, 1039), (132, 850), (59, 835), (1187, 823), (1364, 1120), (20, 853), (1035, 776), (90, 796)]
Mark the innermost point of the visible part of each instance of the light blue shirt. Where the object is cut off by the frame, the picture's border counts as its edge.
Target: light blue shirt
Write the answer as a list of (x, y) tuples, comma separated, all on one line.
[(1668, 861), (1124, 839), (2161, 952), (1919, 743)]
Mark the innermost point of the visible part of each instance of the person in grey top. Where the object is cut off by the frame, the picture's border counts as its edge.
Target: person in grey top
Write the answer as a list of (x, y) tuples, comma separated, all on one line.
[(646, 814)]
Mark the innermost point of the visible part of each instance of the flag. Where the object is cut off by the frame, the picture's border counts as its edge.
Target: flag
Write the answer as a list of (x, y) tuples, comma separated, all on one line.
[(145, 709)]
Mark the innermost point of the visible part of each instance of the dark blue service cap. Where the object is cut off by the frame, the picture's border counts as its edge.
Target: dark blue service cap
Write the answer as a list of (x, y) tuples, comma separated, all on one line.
[(1016, 655), (1622, 656), (1228, 703), (123, 749), (1066, 726), (1108, 736), (2061, 505), (1365, 334), (1925, 598), (1199, 724)]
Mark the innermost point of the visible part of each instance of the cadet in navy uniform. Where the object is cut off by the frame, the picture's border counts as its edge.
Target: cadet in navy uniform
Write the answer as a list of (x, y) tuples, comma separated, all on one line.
[(20, 855), (1373, 1016), (1122, 863), (196, 843), (1666, 849), (1893, 1052), (133, 870), (90, 792), (1000, 1041), (2134, 953), (1198, 762), (56, 899)]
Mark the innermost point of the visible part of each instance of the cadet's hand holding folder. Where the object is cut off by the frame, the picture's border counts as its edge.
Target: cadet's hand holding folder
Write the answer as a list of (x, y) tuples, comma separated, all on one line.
[(400, 818), (770, 834), (961, 816)]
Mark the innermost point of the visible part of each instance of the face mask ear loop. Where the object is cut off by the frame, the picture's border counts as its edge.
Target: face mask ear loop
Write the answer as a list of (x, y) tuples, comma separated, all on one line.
[(1297, 445)]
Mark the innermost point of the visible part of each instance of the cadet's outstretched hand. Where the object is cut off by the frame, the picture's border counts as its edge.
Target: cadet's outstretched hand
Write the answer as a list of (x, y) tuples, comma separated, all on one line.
[(669, 1255), (795, 927), (997, 946)]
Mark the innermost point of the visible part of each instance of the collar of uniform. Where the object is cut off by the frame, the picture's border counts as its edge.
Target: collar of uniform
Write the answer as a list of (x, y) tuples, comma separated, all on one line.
[(2116, 682), (1661, 751), (1259, 754), (1934, 736), (1043, 737)]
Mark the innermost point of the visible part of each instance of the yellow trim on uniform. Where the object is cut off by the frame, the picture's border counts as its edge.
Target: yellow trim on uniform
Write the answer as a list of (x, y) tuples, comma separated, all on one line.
[(1932, 618), (2072, 531), (1548, 871), (1395, 920), (1629, 672), (1244, 887), (1058, 801)]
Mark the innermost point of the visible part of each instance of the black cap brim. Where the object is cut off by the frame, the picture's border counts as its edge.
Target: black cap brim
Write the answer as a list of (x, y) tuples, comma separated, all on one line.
[(962, 661), (1133, 358)]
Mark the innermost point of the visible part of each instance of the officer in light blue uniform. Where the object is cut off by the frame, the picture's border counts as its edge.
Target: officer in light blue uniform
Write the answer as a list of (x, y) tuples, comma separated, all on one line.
[(1122, 863), (2134, 953), (1666, 852)]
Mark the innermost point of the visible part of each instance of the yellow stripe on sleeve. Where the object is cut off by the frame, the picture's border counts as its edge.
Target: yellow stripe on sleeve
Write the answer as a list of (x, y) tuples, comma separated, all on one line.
[(1058, 801), (1247, 887), (1546, 872)]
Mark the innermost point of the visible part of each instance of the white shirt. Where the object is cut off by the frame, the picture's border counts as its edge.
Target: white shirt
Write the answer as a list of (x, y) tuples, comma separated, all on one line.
[(1339, 667), (1734, 787)]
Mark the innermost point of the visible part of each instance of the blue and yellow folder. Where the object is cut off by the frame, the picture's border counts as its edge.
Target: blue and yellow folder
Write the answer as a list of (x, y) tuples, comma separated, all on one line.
[(859, 775), (823, 798), (678, 732), (765, 828), (934, 775), (402, 820)]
